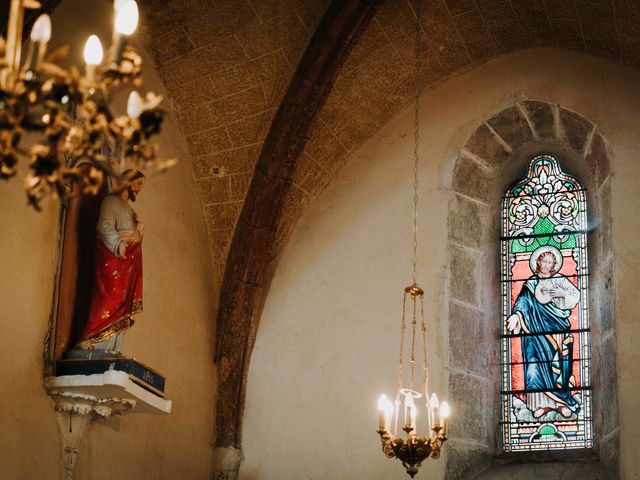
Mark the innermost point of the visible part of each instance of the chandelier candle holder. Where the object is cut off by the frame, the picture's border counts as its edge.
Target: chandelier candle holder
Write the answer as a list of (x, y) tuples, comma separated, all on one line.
[(412, 448), (68, 113), (402, 415)]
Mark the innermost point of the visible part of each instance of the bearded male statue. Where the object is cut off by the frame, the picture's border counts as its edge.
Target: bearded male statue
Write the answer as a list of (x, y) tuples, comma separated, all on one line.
[(117, 290)]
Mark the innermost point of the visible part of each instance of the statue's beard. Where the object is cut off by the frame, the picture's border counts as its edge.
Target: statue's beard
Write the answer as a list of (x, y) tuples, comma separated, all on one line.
[(131, 194)]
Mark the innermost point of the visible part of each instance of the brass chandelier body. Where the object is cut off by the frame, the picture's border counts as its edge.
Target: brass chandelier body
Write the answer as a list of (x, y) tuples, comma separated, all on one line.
[(414, 448), (69, 111)]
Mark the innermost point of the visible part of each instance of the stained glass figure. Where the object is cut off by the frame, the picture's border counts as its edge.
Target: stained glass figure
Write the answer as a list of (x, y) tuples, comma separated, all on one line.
[(546, 378)]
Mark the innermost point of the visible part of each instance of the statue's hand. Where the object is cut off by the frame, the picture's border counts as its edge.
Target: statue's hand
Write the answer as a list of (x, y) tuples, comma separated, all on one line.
[(513, 324), (122, 249), (555, 293), (140, 229)]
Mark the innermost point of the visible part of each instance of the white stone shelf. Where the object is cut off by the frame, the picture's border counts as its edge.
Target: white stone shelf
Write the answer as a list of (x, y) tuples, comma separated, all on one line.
[(112, 384)]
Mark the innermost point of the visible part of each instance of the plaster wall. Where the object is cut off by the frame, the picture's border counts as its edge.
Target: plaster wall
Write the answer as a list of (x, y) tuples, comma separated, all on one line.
[(174, 335), (328, 339)]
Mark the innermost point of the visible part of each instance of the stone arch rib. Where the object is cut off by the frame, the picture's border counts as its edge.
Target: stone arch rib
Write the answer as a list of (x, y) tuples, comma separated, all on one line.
[(252, 256)]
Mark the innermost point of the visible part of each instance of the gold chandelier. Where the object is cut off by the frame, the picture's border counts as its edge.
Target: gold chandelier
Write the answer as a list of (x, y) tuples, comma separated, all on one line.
[(402, 414), (69, 112)]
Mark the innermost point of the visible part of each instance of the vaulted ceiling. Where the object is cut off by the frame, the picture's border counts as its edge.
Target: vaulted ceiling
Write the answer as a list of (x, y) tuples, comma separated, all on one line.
[(227, 63)]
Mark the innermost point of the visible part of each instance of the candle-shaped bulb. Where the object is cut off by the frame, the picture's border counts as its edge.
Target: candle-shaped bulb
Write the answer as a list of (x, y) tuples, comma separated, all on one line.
[(118, 4), (388, 414), (127, 18), (93, 51), (382, 401), (444, 412), (41, 31), (435, 410), (135, 106), (414, 412), (407, 411), (40, 36)]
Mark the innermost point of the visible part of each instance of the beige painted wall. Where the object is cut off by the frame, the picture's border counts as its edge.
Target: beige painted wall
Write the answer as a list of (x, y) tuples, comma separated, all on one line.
[(327, 343), (174, 334)]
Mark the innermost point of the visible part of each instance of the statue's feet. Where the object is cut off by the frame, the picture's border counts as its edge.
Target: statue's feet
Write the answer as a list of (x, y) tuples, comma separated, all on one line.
[(84, 345), (565, 411), (540, 412)]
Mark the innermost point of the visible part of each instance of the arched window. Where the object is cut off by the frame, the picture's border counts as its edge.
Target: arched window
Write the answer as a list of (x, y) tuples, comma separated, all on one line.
[(546, 378)]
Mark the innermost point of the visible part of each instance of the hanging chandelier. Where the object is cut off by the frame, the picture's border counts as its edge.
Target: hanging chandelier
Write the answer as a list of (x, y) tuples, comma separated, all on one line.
[(67, 113), (401, 415)]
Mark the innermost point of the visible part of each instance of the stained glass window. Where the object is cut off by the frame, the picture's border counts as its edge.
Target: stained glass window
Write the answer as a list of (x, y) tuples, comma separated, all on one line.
[(546, 378)]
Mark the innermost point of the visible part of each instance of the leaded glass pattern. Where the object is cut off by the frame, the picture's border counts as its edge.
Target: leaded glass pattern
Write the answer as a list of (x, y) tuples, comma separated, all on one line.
[(546, 361)]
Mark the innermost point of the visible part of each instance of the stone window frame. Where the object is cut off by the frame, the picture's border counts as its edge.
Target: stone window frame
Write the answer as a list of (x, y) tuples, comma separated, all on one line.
[(495, 154)]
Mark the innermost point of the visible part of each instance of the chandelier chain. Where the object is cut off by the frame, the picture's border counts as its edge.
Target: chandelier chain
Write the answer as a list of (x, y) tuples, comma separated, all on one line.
[(416, 145), (416, 448)]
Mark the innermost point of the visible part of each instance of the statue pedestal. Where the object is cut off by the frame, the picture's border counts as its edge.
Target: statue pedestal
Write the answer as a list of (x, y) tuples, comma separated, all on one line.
[(80, 399)]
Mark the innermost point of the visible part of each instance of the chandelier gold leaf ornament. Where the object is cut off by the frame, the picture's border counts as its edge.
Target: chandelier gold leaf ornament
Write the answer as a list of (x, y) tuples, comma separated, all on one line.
[(401, 415), (67, 113)]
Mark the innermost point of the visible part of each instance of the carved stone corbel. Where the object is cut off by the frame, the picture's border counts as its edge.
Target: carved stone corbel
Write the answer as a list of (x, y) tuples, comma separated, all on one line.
[(74, 413)]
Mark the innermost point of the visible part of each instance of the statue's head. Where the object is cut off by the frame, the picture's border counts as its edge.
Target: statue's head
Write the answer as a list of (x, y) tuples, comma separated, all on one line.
[(546, 263), (135, 181)]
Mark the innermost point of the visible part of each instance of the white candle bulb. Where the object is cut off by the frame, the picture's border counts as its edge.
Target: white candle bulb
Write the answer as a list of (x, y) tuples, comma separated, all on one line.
[(444, 411), (127, 18), (414, 412), (407, 410), (397, 414), (435, 409), (40, 36), (118, 4), (41, 31), (382, 401), (135, 106), (93, 52), (388, 413)]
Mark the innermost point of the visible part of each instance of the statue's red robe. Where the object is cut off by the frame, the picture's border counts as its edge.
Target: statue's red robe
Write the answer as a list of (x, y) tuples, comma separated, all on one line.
[(117, 293)]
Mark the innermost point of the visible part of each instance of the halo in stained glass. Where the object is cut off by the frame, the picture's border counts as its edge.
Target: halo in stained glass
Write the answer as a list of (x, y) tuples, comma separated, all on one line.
[(545, 332)]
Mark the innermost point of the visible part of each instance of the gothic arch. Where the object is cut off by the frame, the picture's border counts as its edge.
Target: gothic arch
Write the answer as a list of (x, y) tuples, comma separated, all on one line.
[(494, 155)]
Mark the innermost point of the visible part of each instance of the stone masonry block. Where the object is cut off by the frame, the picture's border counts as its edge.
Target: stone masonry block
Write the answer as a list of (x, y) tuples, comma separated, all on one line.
[(485, 145), (471, 179), (464, 283), (511, 127), (541, 116), (467, 346), (607, 297), (465, 461), (576, 129), (469, 395), (608, 382), (598, 160), (466, 221)]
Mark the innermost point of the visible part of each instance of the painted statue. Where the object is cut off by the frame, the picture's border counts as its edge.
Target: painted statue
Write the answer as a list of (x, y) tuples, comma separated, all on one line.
[(541, 314), (117, 291)]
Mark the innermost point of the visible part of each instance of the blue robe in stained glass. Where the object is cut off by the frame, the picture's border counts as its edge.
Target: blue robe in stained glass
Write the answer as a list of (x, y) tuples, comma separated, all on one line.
[(547, 346)]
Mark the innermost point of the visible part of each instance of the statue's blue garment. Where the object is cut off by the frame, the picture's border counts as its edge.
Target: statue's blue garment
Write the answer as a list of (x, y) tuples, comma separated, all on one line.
[(547, 364)]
